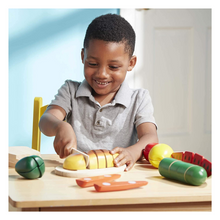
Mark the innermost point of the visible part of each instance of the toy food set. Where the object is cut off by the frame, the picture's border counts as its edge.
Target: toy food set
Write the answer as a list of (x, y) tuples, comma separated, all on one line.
[(104, 183), (96, 168), (31, 167), (187, 167)]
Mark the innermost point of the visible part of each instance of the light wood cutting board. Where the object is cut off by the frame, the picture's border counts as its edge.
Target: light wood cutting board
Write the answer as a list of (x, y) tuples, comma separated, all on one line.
[(88, 172)]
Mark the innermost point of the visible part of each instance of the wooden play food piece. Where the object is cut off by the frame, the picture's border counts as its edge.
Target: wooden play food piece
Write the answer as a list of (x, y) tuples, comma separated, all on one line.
[(108, 158), (158, 152), (86, 157), (93, 162), (74, 162), (101, 159), (115, 155), (207, 165), (90, 181), (147, 149), (188, 157), (177, 155), (31, 167), (116, 186), (182, 171), (97, 159), (196, 159)]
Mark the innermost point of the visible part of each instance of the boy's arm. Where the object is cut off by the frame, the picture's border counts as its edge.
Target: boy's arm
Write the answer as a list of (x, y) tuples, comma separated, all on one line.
[(50, 120), (147, 133), (52, 124)]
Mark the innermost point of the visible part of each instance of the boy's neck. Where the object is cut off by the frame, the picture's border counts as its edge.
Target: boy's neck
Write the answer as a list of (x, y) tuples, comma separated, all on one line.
[(104, 99)]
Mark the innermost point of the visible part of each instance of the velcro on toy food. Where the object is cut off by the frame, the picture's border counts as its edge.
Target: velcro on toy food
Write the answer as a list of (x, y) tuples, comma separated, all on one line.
[(98, 159)]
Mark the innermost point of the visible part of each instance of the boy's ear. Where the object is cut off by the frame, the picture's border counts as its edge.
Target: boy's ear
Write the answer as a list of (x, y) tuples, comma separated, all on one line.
[(82, 55), (132, 62)]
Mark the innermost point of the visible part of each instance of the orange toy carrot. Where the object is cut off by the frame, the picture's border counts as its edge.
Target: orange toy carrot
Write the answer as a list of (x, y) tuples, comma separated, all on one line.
[(116, 186), (90, 181)]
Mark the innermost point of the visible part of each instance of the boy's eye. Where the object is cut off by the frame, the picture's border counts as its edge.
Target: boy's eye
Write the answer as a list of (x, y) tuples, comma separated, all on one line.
[(92, 64), (114, 67)]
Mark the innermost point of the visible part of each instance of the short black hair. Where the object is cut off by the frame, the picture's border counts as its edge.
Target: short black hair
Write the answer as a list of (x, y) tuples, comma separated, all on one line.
[(111, 28)]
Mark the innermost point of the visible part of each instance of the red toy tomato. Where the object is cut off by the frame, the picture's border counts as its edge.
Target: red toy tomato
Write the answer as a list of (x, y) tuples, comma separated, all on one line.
[(208, 166), (188, 157), (197, 159), (147, 150)]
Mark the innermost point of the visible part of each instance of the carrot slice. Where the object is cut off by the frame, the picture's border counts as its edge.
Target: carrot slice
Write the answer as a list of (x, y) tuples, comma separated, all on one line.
[(116, 186), (90, 181)]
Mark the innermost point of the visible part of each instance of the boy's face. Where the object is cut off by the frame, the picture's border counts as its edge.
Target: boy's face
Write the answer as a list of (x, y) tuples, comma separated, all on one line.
[(105, 66)]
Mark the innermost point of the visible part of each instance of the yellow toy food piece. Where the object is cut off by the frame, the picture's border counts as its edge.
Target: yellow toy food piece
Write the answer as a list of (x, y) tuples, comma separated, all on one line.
[(108, 158), (74, 162), (115, 155), (101, 159), (93, 162), (98, 159), (158, 152)]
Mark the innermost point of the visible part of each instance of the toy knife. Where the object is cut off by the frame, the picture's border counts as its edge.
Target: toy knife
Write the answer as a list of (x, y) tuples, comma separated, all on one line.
[(117, 186)]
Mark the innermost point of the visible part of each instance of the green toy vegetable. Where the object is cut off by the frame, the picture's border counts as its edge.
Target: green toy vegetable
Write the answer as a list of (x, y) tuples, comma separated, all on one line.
[(182, 171), (30, 167)]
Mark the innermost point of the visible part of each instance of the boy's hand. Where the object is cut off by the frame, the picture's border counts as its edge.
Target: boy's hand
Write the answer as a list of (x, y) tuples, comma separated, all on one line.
[(65, 139), (124, 157)]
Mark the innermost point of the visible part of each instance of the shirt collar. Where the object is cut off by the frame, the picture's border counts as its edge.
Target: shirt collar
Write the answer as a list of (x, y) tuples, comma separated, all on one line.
[(84, 89), (122, 97), (124, 94)]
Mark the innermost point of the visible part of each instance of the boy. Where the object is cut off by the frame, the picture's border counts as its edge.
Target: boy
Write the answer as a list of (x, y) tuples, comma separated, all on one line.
[(102, 111)]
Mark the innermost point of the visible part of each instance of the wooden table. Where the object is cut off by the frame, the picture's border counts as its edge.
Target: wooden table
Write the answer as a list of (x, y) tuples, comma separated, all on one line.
[(56, 193)]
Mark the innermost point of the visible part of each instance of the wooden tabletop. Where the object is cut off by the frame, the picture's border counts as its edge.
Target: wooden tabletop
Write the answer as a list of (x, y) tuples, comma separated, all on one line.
[(53, 191)]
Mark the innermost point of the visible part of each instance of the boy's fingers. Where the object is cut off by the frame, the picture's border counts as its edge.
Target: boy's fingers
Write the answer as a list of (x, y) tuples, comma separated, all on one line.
[(121, 162), (67, 149), (129, 166), (115, 150), (119, 157)]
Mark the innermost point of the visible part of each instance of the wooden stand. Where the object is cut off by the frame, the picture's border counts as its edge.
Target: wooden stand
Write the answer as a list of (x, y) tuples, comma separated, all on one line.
[(16, 153)]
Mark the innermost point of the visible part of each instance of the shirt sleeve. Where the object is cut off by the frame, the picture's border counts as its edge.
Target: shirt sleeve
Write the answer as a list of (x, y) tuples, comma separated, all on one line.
[(63, 98), (145, 109)]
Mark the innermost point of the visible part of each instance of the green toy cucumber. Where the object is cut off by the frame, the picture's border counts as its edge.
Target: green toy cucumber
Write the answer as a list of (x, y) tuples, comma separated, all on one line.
[(30, 167), (182, 171)]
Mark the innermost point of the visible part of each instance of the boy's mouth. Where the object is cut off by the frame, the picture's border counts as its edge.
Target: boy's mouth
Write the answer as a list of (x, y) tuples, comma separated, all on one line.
[(101, 83)]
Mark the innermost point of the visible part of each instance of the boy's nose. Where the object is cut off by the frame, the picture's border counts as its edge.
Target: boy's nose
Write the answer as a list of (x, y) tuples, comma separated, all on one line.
[(102, 72)]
